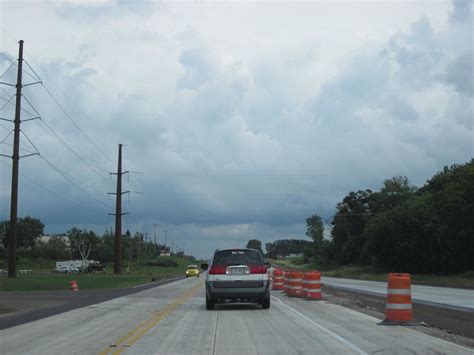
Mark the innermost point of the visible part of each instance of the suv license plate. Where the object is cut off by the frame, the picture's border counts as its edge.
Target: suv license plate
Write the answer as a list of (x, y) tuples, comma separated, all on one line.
[(237, 271)]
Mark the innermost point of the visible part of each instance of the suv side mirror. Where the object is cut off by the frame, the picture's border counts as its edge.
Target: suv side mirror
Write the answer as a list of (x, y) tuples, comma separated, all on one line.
[(204, 266)]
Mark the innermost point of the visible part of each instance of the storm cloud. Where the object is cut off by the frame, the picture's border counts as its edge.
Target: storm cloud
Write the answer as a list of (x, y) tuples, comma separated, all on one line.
[(243, 118)]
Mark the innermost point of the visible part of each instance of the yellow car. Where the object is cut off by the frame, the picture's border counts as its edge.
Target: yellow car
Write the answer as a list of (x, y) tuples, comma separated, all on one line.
[(192, 270)]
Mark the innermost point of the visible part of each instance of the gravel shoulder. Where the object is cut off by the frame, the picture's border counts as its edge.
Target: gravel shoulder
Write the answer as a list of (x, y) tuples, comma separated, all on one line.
[(448, 324)]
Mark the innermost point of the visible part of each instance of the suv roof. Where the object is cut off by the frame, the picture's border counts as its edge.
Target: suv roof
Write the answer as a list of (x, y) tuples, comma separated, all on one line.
[(235, 256), (218, 250)]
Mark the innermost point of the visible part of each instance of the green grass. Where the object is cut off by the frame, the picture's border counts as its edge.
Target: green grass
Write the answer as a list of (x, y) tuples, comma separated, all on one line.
[(463, 280), (41, 278)]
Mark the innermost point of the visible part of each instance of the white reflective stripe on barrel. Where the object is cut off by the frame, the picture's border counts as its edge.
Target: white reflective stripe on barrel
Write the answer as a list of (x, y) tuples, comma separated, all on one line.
[(294, 287), (312, 282), (295, 280), (399, 291), (398, 306)]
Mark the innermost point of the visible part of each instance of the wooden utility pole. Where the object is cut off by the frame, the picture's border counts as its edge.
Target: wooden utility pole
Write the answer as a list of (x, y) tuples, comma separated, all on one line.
[(118, 215), (156, 226), (12, 235), (146, 241)]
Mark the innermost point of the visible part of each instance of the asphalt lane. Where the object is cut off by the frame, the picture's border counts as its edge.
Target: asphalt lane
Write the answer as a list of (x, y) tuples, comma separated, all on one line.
[(172, 319), (36, 305), (455, 298)]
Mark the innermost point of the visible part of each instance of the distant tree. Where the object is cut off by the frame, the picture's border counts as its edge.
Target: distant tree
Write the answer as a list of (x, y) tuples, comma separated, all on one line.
[(84, 244), (404, 238), (255, 244), (104, 250), (54, 249), (348, 226), (29, 230), (285, 247), (315, 231), (402, 228)]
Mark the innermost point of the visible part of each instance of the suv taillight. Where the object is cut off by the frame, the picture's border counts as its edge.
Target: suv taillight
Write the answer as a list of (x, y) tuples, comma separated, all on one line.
[(217, 270), (258, 269)]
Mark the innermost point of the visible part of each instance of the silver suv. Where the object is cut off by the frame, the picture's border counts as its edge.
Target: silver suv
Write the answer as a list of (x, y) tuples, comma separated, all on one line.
[(237, 275)]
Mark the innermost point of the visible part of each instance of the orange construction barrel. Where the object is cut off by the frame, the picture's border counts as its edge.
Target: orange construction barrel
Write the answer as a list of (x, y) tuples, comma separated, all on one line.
[(312, 285), (295, 284), (398, 308), (278, 279)]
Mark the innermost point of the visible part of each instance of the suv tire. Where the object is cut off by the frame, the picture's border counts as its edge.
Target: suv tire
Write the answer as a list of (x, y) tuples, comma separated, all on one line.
[(209, 303), (266, 301)]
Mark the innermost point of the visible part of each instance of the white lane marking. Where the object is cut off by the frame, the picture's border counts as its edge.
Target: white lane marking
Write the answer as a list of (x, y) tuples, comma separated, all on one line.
[(142, 285), (399, 291), (327, 331), (159, 281), (397, 306)]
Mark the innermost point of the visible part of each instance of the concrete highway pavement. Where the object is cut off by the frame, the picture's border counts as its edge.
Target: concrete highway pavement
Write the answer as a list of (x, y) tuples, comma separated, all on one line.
[(172, 319), (455, 298)]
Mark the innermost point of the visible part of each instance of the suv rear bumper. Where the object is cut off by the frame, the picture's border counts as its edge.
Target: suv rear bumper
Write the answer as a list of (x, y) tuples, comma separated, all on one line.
[(254, 293)]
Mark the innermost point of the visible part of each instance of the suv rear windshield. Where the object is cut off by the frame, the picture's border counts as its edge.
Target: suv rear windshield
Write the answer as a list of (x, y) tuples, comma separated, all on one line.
[(238, 257)]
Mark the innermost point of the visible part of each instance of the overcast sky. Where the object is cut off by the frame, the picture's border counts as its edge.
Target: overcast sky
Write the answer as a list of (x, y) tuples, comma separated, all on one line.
[(245, 118)]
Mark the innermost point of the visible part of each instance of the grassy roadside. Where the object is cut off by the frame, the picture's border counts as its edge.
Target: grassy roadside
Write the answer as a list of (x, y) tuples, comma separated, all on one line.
[(464, 280), (41, 278)]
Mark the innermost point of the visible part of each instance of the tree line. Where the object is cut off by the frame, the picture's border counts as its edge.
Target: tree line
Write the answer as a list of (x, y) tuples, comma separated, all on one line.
[(78, 243), (281, 248), (403, 228)]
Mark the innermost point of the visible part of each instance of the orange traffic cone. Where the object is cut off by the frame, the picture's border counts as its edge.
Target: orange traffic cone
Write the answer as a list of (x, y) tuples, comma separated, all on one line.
[(73, 285)]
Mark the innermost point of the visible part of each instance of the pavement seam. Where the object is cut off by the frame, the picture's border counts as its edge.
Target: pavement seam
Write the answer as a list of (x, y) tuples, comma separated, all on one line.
[(215, 336)]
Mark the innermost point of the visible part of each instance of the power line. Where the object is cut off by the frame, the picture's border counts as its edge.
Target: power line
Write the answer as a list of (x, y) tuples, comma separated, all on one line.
[(21, 149), (70, 179), (64, 175), (6, 137), (11, 103), (52, 192), (29, 140), (54, 134), (7, 58), (91, 167), (8, 101), (11, 66), (9, 34), (75, 124), (55, 100)]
